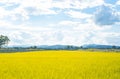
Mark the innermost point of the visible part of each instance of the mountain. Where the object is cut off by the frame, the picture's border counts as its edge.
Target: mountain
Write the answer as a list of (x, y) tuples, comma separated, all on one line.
[(68, 47), (58, 47), (96, 46)]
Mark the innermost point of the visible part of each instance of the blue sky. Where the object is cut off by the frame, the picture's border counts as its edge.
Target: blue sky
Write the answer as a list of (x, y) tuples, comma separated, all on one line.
[(65, 22)]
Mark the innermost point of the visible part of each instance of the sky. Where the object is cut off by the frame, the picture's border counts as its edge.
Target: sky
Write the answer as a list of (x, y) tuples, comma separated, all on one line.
[(63, 22)]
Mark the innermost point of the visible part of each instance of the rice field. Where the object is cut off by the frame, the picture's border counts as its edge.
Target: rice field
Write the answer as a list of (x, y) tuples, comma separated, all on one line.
[(60, 65)]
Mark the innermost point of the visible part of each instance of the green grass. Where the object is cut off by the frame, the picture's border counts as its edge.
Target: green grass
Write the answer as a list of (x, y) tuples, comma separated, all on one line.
[(60, 65)]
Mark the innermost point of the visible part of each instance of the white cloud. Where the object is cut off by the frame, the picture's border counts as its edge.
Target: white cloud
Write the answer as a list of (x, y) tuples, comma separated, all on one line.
[(3, 12), (118, 2), (71, 23), (77, 34), (80, 15), (20, 11), (106, 16), (14, 14), (24, 34), (77, 4), (44, 7), (71, 32), (111, 38)]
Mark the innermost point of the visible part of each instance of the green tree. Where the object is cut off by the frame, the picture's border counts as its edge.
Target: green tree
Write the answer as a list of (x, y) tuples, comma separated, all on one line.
[(4, 40)]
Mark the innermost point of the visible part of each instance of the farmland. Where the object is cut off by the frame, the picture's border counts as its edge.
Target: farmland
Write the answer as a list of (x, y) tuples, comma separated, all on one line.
[(60, 64)]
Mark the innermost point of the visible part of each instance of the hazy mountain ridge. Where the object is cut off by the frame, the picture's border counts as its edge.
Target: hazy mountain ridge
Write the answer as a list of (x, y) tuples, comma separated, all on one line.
[(97, 46), (87, 46)]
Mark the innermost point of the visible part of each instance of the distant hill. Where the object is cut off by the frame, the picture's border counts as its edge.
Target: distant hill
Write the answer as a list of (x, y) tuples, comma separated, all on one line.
[(51, 47), (68, 47), (99, 46), (58, 47)]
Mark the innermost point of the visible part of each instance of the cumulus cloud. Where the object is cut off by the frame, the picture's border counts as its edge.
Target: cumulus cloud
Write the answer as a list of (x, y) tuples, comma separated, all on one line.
[(77, 4), (81, 33), (24, 35), (106, 16), (118, 2), (73, 27), (24, 8), (20, 8), (113, 38), (78, 14)]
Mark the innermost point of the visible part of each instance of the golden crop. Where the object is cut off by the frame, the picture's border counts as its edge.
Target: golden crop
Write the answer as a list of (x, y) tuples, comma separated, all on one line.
[(60, 65)]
